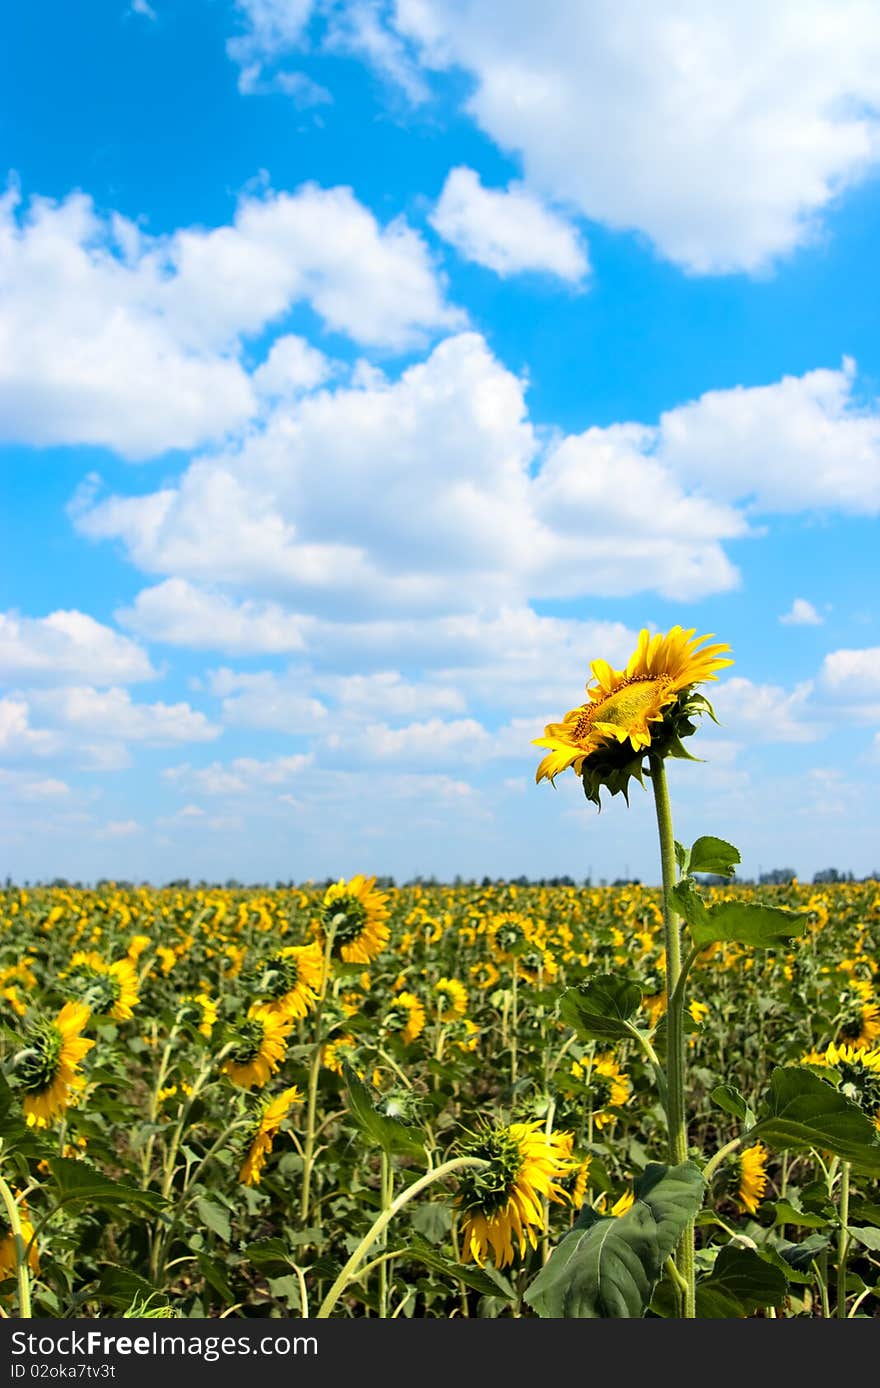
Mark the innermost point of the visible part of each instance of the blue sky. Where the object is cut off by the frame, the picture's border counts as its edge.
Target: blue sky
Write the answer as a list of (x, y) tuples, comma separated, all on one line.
[(367, 369)]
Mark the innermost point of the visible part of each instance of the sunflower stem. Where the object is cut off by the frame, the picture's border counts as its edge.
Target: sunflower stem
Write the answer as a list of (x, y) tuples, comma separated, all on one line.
[(314, 1075), (21, 1251), (843, 1241), (675, 1052), (380, 1224)]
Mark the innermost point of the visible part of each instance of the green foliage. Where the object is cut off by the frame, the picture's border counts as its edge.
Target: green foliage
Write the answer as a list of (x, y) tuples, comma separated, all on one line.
[(607, 1267), (601, 1007)]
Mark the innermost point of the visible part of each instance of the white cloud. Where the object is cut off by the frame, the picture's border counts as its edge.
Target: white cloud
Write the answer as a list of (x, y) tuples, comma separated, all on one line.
[(292, 366), (420, 496), (850, 682), (180, 614), (508, 230), (799, 443), (852, 671), (765, 712), (269, 27), (18, 786), (802, 614), (113, 715), (263, 701), (118, 829), (243, 774), (68, 645), (17, 737), (721, 132), (111, 337)]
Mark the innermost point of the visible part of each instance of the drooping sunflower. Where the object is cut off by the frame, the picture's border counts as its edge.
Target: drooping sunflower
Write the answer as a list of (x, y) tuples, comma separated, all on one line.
[(109, 989), (8, 1260), (406, 1016), (47, 1069), (272, 1114), (357, 915), (452, 999), (751, 1176), (290, 979), (260, 1047), (644, 707), (503, 1202), (200, 1010)]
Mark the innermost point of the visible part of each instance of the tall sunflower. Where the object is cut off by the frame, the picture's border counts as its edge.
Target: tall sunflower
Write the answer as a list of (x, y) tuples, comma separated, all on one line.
[(47, 1069), (290, 979), (503, 1202), (260, 1046), (606, 739), (357, 915), (406, 1016), (272, 1114)]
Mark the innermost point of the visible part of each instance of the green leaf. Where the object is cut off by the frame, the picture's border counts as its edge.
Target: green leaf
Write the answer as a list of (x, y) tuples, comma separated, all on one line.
[(747, 923), (608, 1267), (214, 1217), (729, 1098), (213, 1273), (471, 1276), (743, 1276), (119, 1286), (271, 1256), (77, 1181), (433, 1220), (686, 901), (867, 1237), (682, 857), (601, 1007), (786, 1213), (803, 1111), (709, 854), (391, 1135)]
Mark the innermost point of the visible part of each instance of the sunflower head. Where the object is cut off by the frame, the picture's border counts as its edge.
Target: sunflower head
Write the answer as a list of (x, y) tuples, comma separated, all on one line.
[(503, 1200), (648, 707), (749, 1177), (47, 1068), (354, 916)]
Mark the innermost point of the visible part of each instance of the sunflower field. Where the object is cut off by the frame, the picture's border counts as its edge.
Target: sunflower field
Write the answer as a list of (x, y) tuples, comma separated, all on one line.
[(354, 1101)]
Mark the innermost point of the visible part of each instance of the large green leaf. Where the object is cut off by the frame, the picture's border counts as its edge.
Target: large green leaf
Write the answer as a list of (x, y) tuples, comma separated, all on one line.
[(608, 1267), (742, 1276), (746, 923), (601, 1007), (391, 1135), (78, 1182), (803, 1111), (729, 1098), (709, 854)]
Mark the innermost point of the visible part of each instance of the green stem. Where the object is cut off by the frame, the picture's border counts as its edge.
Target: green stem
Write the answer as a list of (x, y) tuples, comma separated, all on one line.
[(380, 1224), (314, 1075), (387, 1186), (675, 1052), (514, 1021), (21, 1261), (713, 1163), (843, 1241)]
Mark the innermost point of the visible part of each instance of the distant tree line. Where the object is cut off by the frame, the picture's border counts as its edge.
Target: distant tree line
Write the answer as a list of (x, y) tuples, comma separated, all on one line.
[(776, 877)]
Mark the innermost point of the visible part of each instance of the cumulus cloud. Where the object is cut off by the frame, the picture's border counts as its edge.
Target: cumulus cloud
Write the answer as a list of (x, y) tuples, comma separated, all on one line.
[(68, 645), (112, 337), (801, 614), (659, 118), (114, 715), (180, 614), (422, 496), (507, 230), (800, 443), (765, 712)]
